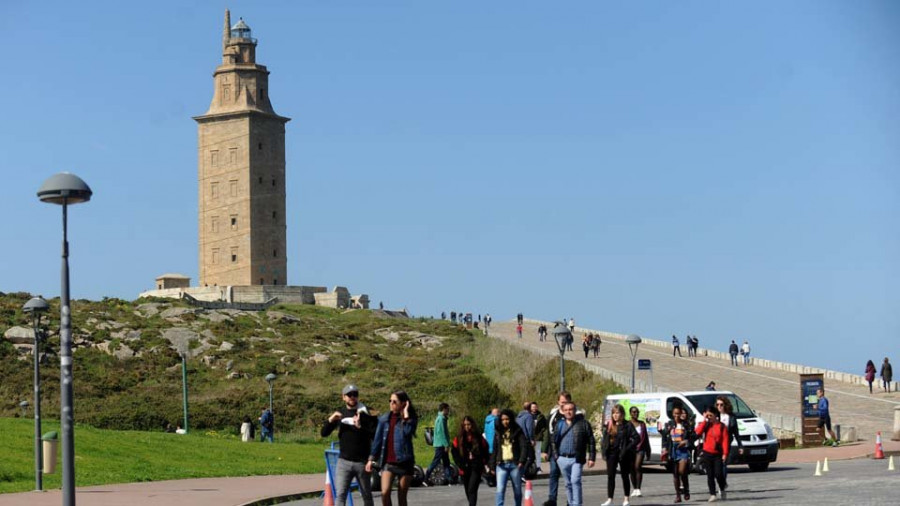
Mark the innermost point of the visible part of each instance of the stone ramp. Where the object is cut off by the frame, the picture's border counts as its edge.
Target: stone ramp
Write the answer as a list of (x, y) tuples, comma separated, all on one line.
[(774, 394)]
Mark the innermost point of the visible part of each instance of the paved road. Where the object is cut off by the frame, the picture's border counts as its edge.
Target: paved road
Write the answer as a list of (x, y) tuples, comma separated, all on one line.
[(767, 390), (858, 482)]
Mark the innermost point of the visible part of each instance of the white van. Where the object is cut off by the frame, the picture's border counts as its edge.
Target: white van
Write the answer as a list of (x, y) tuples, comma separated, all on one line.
[(757, 438)]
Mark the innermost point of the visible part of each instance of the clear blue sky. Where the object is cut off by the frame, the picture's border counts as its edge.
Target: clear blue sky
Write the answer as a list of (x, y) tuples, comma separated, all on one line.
[(724, 169)]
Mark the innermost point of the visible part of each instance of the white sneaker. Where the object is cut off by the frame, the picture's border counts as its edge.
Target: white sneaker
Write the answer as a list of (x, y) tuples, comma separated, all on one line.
[(608, 502), (712, 498), (625, 502), (636, 492)]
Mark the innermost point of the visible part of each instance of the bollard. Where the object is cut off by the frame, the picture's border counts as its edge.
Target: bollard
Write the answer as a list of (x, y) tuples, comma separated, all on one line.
[(896, 436), (837, 431)]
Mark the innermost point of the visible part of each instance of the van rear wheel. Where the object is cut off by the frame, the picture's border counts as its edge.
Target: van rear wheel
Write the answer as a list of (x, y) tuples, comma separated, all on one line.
[(759, 466)]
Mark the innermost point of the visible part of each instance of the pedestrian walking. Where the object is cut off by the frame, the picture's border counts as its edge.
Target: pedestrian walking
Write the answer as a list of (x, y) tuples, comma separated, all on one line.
[(540, 430), (572, 447), (510, 457), (520, 319), (726, 416), (570, 338), (733, 351), (870, 374), (525, 420), (677, 446), (247, 432), (643, 450), (595, 345), (470, 452), (619, 444), (490, 422), (676, 346), (266, 425), (572, 325), (441, 444), (745, 351), (715, 451), (393, 449), (552, 422), (542, 333), (887, 375), (586, 344), (487, 320), (519, 331), (824, 408), (696, 345), (690, 345), (356, 428)]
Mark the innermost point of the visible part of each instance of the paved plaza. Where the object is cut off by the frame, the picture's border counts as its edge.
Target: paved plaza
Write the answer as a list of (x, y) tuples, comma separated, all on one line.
[(857, 482)]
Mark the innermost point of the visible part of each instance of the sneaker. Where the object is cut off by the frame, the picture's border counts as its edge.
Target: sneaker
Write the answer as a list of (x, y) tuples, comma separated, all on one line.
[(836, 443), (723, 495), (625, 502), (677, 499), (713, 498), (608, 502), (687, 497), (636, 493)]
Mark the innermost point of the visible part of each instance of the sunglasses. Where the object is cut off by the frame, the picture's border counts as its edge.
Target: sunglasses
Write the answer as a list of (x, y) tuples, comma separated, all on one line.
[(395, 401), (352, 394), (720, 404)]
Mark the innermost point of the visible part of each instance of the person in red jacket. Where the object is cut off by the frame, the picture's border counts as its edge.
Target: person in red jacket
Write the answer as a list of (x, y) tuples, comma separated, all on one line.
[(716, 443)]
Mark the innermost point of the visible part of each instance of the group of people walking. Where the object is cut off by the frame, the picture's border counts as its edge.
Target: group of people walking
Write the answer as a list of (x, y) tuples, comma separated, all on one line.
[(886, 375)]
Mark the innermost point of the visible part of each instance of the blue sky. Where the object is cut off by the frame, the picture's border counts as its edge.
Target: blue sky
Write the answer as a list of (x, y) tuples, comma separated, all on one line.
[(724, 169)]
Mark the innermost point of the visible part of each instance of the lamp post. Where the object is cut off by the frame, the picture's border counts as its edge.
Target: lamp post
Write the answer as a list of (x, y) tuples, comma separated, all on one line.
[(270, 378), (65, 189), (561, 334), (36, 307), (184, 393), (633, 341), (24, 406)]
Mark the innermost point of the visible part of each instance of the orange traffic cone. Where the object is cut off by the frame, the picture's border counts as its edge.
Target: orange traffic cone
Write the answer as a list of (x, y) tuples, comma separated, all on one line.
[(879, 451), (528, 500), (329, 494)]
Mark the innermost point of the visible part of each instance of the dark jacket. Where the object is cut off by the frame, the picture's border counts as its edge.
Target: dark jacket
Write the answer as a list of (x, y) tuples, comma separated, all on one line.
[(470, 455), (689, 435), (540, 426), (643, 440), (887, 372), (522, 452), (584, 439), (403, 434), (356, 442), (526, 422), (555, 417), (626, 440), (733, 432), (733, 349)]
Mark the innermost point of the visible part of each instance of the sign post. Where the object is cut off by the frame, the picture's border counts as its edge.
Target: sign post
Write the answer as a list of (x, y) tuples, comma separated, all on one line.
[(809, 408), (644, 364)]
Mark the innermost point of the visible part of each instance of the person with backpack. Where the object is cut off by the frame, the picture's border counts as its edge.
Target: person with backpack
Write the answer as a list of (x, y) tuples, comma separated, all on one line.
[(619, 444), (573, 446), (512, 453), (643, 450), (470, 452), (553, 421), (677, 447), (716, 443), (733, 351), (267, 425), (441, 444)]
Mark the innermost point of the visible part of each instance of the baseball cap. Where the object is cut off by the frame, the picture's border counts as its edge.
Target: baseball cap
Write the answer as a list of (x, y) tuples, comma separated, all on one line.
[(349, 388)]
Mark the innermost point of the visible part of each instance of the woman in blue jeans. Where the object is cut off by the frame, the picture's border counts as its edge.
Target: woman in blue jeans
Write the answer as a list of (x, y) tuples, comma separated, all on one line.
[(511, 455)]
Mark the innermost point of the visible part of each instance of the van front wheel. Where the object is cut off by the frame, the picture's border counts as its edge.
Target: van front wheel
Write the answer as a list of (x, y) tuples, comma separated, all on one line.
[(759, 466)]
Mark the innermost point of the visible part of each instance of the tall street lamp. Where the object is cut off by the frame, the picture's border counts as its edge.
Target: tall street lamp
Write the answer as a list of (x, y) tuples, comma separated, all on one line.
[(65, 189), (562, 335), (36, 307), (270, 378), (633, 341), (184, 393)]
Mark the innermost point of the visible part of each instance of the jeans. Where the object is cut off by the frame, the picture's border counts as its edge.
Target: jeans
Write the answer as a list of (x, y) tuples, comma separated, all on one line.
[(746, 358), (553, 485), (512, 472), (343, 476), (571, 469), (734, 359), (266, 435), (537, 453), (441, 456)]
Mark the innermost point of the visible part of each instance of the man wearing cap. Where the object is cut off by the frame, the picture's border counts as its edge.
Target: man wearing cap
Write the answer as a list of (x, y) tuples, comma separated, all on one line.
[(356, 427)]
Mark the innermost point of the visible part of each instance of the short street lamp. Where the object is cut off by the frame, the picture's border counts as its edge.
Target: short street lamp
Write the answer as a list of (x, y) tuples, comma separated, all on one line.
[(633, 341), (64, 189), (270, 378), (562, 335), (36, 307)]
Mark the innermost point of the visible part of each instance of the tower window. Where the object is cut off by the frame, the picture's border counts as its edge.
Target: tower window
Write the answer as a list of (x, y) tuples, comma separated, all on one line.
[(262, 93), (273, 181), (233, 222), (215, 255), (232, 187), (214, 158), (274, 253), (275, 281), (214, 189), (261, 281), (260, 146), (274, 215), (232, 155), (260, 179), (215, 224), (234, 253)]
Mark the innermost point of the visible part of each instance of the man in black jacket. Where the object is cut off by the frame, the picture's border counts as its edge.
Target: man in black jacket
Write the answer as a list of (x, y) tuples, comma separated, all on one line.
[(356, 427), (572, 444)]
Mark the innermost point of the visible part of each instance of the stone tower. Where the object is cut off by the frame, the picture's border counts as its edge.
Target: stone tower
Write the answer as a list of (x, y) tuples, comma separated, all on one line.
[(241, 172)]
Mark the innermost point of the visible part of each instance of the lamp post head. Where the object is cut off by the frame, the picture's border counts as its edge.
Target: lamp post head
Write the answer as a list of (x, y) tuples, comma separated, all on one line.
[(23, 404), (64, 188), (271, 377), (36, 306), (633, 341), (561, 334)]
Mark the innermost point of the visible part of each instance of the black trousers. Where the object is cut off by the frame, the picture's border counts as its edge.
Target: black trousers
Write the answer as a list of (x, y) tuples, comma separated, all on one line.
[(471, 480), (626, 467), (714, 472)]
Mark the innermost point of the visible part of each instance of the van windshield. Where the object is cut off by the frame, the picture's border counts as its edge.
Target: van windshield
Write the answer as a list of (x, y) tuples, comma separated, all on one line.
[(741, 410)]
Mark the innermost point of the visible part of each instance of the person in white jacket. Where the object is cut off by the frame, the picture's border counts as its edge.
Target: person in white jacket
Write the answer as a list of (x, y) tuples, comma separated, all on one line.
[(745, 348)]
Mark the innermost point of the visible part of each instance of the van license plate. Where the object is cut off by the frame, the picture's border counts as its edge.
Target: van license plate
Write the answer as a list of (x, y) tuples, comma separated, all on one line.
[(761, 451)]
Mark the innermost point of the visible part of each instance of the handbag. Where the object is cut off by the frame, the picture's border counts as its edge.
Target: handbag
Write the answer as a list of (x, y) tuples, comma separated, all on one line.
[(429, 436)]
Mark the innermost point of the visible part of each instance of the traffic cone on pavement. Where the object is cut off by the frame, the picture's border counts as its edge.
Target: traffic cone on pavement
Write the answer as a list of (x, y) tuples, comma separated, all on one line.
[(825, 466), (891, 463), (818, 468), (329, 494), (528, 500), (879, 450)]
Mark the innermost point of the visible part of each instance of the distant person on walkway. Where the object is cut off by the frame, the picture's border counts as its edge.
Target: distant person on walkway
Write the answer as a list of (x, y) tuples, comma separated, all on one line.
[(586, 344), (267, 425), (452, 316), (887, 375), (696, 344), (519, 331), (540, 431), (380, 305), (572, 325), (487, 320), (573, 446), (716, 443), (443, 315), (569, 340), (356, 428), (643, 450), (595, 345), (520, 319), (677, 445), (825, 419), (618, 446), (510, 457), (870, 374), (690, 345), (248, 434), (392, 447), (726, 416), (676, 346), (441, 443), (470, 452), (552, 423), (745, 350), (711, 387), (733, 351)]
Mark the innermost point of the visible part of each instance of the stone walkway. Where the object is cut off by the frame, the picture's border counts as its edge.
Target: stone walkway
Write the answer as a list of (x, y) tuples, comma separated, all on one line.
[(774, 394)]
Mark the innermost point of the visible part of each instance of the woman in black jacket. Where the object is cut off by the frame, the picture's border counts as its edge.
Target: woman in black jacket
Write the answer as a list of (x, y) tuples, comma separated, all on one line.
[(643, 450), (470, 452), (512, 453), (726, 415), (619, 444)]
